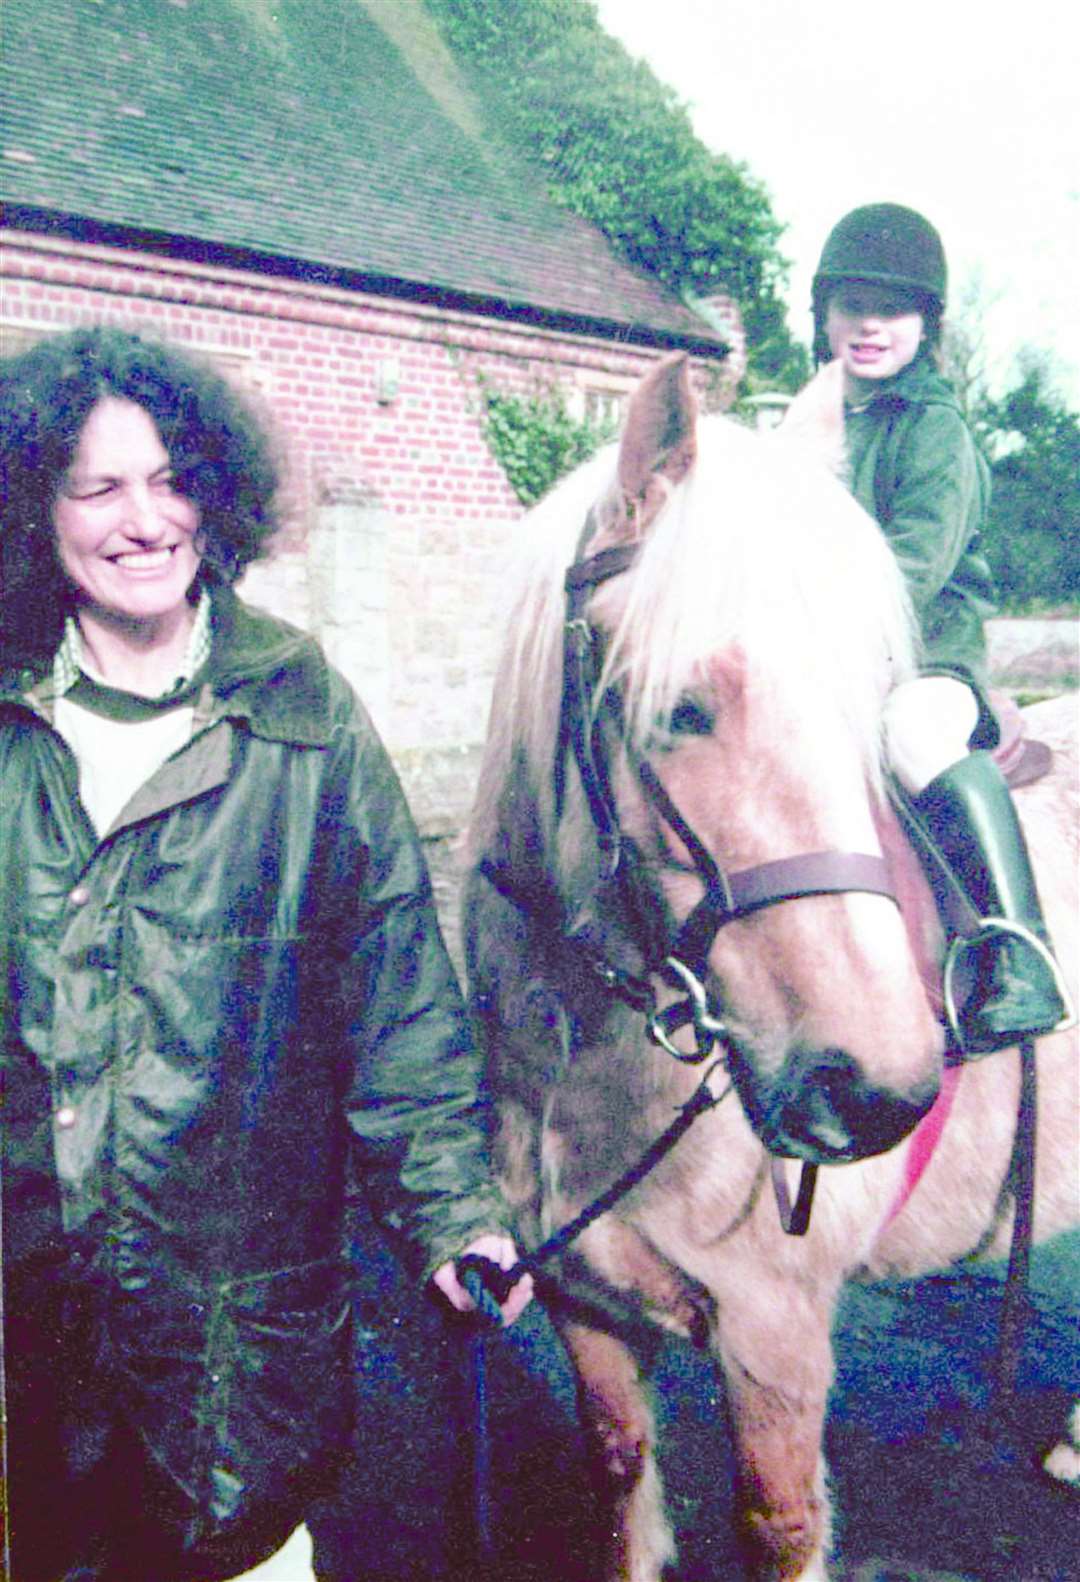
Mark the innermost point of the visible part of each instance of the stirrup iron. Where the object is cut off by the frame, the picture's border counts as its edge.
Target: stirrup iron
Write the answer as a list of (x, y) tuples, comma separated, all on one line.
[(989, 928)]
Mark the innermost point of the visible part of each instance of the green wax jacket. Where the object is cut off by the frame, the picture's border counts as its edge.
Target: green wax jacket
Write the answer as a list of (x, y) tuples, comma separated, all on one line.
[(915, 467), (217, 1020)]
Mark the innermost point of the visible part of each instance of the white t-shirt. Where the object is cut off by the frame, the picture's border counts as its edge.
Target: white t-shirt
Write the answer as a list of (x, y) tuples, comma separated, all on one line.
[(116, 757)]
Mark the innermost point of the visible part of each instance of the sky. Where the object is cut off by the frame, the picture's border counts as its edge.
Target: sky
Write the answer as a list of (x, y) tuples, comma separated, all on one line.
[(970, 114)]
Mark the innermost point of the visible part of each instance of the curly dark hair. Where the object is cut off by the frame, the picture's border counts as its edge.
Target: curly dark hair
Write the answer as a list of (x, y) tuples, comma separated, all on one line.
[(220, 453)]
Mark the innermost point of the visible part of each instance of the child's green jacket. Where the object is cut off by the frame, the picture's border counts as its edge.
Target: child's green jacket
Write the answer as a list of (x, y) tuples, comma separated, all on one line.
[(916, 468)]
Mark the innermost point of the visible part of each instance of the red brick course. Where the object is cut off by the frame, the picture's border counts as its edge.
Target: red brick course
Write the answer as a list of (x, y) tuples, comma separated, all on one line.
[(313, 355)]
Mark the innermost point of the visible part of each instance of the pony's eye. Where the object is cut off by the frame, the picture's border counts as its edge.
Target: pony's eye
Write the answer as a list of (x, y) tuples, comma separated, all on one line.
[(690, 718)]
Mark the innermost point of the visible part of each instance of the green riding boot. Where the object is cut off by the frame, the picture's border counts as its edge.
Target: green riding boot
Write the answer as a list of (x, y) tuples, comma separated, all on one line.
[(1016, 985)]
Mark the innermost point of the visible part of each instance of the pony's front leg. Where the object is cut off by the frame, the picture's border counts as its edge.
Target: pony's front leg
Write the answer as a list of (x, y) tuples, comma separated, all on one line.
[(777, 1367), (620, 1434)]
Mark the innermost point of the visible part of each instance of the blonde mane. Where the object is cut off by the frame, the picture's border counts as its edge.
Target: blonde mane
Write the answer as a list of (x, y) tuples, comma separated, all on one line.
[(760, 550)]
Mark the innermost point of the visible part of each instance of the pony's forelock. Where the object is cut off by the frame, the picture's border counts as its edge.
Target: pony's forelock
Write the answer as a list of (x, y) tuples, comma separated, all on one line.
[(760, 551)]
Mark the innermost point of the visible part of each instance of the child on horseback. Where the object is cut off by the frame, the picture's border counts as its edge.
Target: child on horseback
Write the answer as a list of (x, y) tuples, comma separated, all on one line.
[(878, 299)]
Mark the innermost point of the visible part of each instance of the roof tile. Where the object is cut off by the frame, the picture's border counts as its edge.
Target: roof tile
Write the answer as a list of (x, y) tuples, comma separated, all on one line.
[(299, 133)]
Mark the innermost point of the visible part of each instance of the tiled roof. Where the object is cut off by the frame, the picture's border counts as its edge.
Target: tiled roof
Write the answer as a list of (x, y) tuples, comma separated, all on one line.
[(295, 134)]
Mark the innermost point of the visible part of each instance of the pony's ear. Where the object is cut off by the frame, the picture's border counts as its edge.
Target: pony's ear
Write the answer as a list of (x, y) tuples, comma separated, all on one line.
[(815, 417), (659, 441)]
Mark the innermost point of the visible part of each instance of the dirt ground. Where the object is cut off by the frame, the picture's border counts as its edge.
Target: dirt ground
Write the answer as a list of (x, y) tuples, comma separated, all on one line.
[(928, 1486)]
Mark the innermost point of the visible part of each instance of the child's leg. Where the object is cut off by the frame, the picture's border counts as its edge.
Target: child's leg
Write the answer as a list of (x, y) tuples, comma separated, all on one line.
[(928, 724), (962, 801)]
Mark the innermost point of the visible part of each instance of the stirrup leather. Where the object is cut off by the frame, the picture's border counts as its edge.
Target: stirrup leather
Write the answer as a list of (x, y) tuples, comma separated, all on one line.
[(990, 928)]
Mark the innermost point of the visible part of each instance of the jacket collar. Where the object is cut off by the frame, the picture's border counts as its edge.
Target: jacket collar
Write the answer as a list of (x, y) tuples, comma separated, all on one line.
[(261, 670), (267, 673), (919, 384)]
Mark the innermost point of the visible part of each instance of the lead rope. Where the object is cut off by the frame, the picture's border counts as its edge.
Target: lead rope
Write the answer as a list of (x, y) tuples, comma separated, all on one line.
[(1014, 1298), (488, 1285)]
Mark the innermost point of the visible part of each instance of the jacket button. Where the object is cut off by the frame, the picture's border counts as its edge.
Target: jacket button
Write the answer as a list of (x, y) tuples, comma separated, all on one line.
[(80, 895), (65, 1116)]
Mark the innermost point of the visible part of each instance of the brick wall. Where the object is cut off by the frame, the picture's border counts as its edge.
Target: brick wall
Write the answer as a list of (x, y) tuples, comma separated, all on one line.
[(397, 518)]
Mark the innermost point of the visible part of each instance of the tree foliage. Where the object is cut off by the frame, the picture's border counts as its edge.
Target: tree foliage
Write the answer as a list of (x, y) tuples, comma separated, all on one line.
[(1031, 440), (619, 150), (1033, 535)]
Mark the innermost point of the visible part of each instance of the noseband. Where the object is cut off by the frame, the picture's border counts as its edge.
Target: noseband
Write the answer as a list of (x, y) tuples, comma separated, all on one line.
[(681, 961)]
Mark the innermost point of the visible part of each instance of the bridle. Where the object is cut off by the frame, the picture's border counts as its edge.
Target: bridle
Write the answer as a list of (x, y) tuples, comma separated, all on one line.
[(678, 957), (681, 960)]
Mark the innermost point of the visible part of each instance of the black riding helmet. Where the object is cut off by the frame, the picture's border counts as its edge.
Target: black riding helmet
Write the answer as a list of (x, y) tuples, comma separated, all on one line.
[(889, 245)]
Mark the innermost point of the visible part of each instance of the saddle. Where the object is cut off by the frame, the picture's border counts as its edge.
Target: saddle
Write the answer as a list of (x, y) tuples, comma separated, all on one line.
[(1021, 759)]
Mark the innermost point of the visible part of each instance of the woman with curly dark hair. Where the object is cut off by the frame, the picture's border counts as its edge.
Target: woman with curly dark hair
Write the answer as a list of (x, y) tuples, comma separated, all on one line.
[(219, 455), (224, 998)]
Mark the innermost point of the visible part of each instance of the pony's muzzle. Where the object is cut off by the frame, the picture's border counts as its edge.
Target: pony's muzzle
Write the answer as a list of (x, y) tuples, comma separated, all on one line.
[(824, 1110)]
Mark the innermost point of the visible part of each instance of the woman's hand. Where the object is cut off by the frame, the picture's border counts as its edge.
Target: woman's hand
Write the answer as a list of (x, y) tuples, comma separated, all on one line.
[(500, 1250)]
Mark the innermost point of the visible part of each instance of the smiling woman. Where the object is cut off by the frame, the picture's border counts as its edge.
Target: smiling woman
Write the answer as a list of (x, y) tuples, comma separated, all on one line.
[(126, 537), (112, 438), (218, 951)]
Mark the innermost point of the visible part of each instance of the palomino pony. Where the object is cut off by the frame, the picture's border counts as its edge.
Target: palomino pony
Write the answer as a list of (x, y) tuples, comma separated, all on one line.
[(699, 778)]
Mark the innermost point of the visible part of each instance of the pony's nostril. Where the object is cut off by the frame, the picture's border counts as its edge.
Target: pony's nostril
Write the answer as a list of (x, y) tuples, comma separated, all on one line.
[(843, 1112), (828, 1093)]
